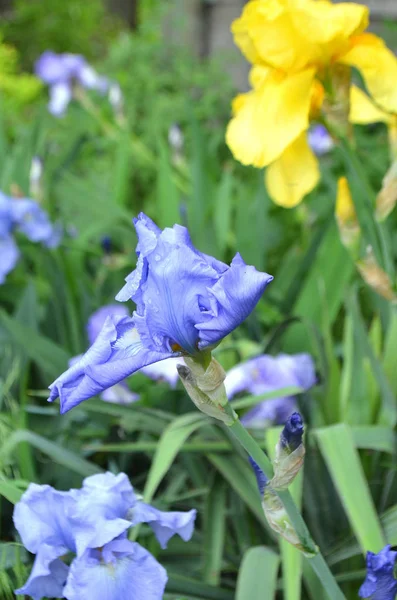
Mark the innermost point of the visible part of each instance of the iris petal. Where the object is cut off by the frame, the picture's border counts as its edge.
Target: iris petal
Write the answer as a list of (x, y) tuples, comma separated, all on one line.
[(165, 524), (48, 575)]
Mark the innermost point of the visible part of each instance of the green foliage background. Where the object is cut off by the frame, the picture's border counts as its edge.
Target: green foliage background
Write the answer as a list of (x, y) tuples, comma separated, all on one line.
[(98, 173)]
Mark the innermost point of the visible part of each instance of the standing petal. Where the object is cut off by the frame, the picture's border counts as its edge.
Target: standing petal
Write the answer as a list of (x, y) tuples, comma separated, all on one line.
[(132, 574), (232, 299), (293, 175)]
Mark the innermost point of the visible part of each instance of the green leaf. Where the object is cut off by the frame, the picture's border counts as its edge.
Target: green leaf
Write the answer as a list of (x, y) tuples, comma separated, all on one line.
[(167, 201), (60, 455), (374, 437), (342, 459), (50, 357), (257, 577), (178, 584), (168, 447), (9, 490), (214, 532), (223, 210)]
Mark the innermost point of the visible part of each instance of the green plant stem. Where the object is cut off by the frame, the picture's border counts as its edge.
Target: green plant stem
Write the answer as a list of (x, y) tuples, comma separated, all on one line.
[(317, 562)]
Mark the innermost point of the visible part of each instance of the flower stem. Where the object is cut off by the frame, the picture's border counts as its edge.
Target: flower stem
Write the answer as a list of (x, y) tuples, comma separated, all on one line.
[(317, 561)]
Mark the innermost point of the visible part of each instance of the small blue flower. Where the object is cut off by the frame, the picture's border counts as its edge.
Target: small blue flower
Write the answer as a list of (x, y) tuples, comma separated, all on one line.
[(186, 302), (60, 72), (320, 140), (291, 435), (92, 524), (380, 583), (265, 374), (27, 217)]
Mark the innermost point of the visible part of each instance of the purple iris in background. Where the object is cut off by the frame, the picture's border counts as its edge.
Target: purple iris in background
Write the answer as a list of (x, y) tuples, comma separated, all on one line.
[(27, 217), (267, 374), (92, 524), (380, 583), (61, 72), (320, 140), (186, 303)]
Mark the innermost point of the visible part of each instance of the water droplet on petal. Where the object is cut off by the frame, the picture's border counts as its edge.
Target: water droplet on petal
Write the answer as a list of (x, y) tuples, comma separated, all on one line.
[(157, 257)]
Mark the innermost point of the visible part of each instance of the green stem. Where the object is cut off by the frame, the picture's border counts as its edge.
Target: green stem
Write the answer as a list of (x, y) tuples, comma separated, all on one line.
[(317, 562)]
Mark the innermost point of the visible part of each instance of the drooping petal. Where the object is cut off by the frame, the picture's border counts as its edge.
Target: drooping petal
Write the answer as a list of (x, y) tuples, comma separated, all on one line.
[(116, 353), (101, 513), (9, 255), (132, 574), (232, 299), (165, 524), (363, 111), (293, 175), (60, 96), (378, 66), (48, 576), (41, 517), (271, 118)]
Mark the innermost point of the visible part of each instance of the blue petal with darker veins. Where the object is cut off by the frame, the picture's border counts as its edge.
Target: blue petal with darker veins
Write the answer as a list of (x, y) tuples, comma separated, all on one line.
[(98, 318), (123, 570), (116, 353), (232, 298)]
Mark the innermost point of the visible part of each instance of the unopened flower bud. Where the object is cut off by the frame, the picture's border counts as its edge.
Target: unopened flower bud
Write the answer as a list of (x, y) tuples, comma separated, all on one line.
[(206, 388), (290, 453)]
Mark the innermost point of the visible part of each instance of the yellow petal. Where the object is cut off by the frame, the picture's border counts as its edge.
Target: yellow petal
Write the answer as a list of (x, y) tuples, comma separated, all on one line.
[(329, 26), (378, 66), (270, 118), (293, 175), (344, 210), (363, 110)]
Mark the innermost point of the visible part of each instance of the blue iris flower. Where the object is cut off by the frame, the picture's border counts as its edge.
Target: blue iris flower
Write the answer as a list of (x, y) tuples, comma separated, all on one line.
[(380, 583), (264, 374), (80, 541), (27, 217), (186, 302), (60, 72)]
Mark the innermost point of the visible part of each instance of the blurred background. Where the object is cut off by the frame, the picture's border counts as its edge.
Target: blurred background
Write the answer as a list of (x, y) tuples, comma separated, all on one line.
[(154, 141)]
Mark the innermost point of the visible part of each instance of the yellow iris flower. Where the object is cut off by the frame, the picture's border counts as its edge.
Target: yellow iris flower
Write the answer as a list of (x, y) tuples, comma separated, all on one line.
[(296, 46)]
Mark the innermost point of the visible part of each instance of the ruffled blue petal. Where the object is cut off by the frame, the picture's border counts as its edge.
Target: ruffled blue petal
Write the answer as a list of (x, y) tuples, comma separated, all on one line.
[(164, 524), (102, 511), (116, 353), (380, 583), (42, 517), (9, 255), (48, 575), (131, 573), (232, 299)]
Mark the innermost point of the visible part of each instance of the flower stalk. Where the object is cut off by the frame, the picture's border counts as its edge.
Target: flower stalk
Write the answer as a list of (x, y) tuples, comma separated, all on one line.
[(311, 551)]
